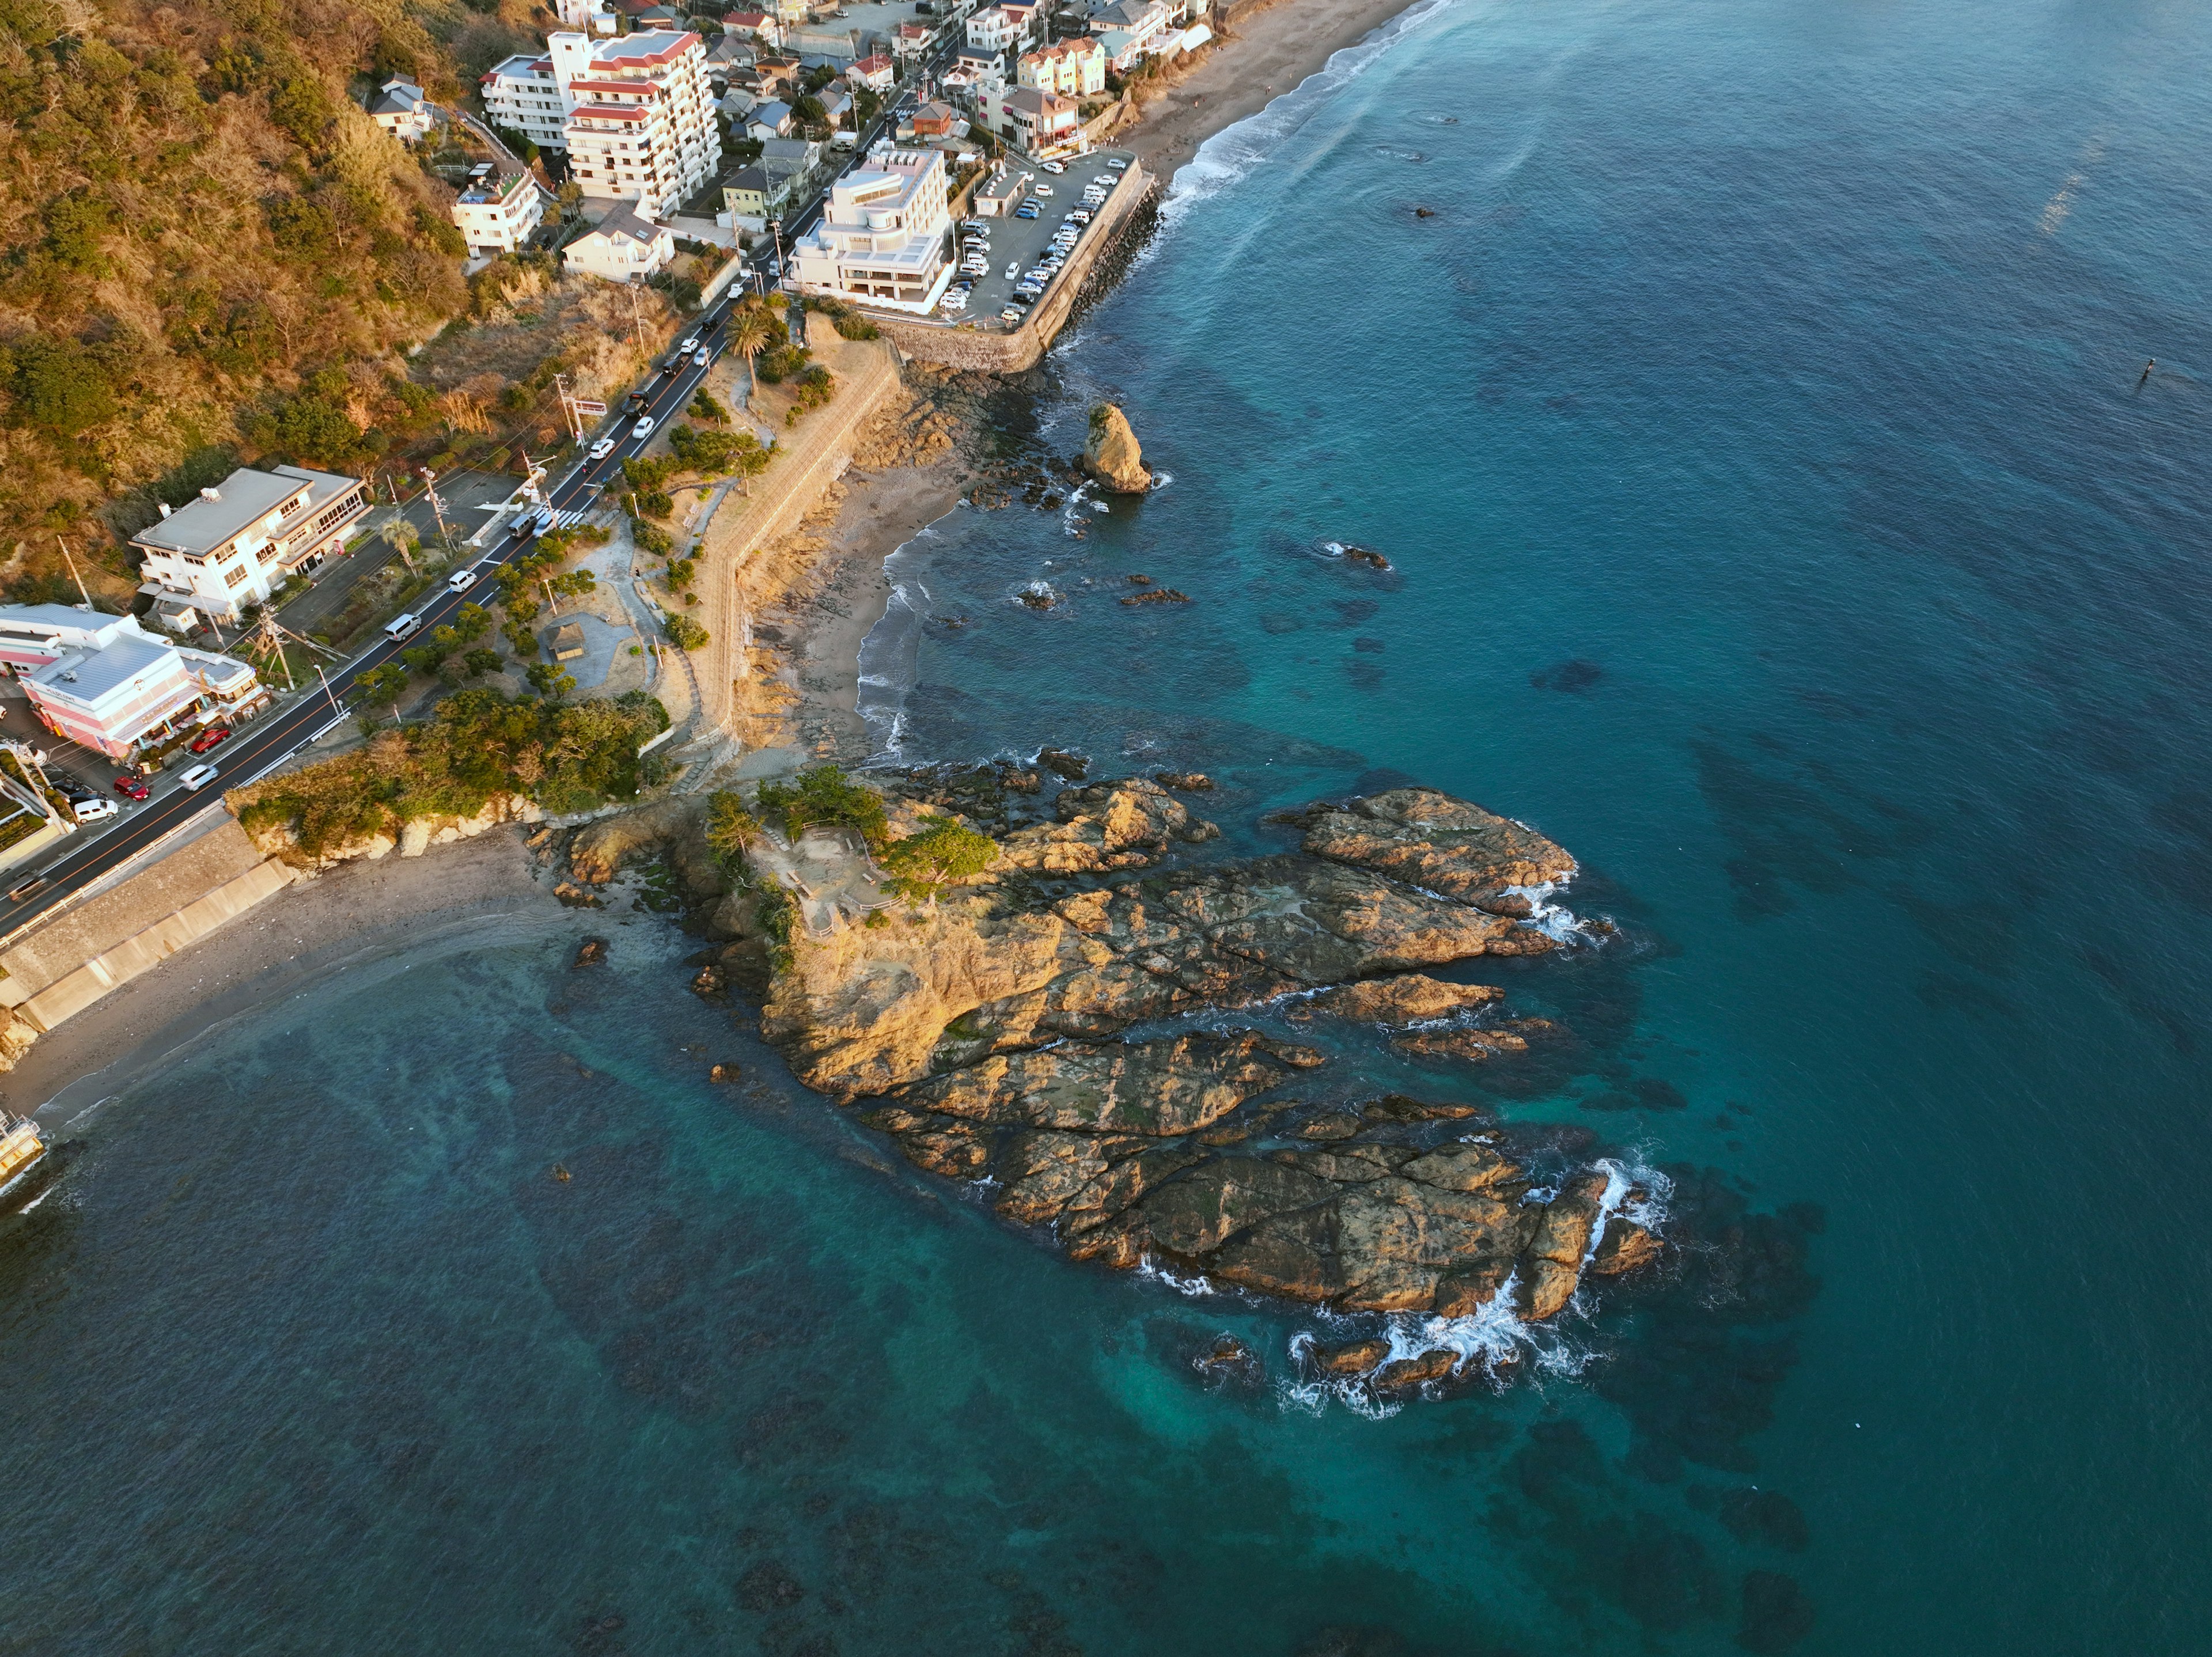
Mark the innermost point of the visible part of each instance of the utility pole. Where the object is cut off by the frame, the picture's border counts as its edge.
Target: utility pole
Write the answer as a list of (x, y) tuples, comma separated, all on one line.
[(87, 597), (569, 408), (437, 507), (327, 691)]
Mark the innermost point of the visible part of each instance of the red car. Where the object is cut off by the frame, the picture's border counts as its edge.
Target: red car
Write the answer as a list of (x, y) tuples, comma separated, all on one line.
[(131, 788), (212, 737)]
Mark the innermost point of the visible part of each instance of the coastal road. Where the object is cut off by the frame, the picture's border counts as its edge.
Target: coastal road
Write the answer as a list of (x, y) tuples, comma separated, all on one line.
[(260, 746)]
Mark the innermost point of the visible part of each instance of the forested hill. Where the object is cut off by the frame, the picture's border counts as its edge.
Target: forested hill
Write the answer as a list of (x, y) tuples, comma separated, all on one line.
[(207, 251)]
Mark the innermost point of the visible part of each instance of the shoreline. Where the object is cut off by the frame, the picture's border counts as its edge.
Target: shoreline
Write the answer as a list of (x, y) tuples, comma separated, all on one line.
[(821, 608)]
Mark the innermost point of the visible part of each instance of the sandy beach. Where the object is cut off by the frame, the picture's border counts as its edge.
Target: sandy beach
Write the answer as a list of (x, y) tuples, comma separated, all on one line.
[(314, 927), (1263, 56)]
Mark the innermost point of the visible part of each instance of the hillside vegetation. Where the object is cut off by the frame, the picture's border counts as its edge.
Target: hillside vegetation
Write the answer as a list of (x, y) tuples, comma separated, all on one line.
[(208, 253)]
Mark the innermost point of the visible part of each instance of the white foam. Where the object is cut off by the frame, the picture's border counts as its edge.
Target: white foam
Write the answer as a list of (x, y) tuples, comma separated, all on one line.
[(1191, 1287)]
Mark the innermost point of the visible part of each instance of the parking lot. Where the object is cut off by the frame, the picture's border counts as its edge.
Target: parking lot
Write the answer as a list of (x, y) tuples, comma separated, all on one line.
[(1021, 243)]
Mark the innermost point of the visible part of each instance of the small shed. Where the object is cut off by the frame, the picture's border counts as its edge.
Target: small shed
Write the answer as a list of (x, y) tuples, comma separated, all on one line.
[(568, 641)]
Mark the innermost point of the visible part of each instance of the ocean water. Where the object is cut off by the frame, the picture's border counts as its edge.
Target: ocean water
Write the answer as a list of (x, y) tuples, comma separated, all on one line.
[(1780, 519)]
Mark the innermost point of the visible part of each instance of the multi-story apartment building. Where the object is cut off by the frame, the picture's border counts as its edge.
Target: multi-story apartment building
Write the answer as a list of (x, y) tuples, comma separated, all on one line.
[(521, 95), (497, 214), (640, 123), (1042, 123), (995, 28), (1073, 67), (884, 234), (239, 541)]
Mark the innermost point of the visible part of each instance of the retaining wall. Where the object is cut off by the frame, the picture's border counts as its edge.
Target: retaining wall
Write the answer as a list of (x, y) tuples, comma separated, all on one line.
[(988, 351)]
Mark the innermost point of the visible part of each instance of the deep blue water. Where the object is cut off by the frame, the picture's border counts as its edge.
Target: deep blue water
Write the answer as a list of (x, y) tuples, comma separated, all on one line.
[(1779, 523)]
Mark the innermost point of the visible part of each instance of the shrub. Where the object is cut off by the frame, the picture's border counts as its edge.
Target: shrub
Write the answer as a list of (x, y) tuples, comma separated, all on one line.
[(779, 364), (480, 661), (476, 744), (550, 679), (685, 633), (729, 826), (705, 407), (817, 386)]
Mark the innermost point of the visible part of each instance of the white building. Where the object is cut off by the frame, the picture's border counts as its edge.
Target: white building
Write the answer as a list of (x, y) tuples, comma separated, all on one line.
[(995, 28), (521, 95), (497, 214), (622, 247), (105, 682), (400, 109), (641, 123), (884, 232), (239, 542)]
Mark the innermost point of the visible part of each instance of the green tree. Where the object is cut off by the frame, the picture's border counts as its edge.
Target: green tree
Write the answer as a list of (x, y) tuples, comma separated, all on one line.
[(402, 538), (383, 684), (749, 336), (480, 661), (942, 852), (551, 680), (685, 633), (60, 387), (730, 826), (823, 796)]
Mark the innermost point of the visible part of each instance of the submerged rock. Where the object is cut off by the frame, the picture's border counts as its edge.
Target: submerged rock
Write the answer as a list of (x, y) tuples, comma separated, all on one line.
[(591, 952), (1409, 999), (1111, 454)]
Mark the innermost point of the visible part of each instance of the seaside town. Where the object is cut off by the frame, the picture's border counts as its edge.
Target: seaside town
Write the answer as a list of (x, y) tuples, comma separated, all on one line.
[(641, 280)]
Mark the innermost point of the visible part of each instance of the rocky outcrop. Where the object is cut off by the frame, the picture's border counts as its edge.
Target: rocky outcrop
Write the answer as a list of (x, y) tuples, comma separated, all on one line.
[(1111, 454), (416, 835), (986, 1036)]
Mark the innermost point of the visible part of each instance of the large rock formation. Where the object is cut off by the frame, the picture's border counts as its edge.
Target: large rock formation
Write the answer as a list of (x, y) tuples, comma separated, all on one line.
[(1110, 453), (986, 1037)]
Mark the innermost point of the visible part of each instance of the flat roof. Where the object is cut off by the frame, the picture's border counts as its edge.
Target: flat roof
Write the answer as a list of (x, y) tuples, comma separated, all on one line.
[(199, 527), (87, 675)]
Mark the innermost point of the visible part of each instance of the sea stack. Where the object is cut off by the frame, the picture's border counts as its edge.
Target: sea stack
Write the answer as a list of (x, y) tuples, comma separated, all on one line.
[(1110, 453)]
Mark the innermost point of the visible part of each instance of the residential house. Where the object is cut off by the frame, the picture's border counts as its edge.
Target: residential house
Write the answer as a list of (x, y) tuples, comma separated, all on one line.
[(885, 233), (497, 214), (975, 72), (624, 247), (241, 540), (641, 123), (745, 197), (836, 105), (738, 104), (725, 53), (876, 72), (1073, 67), (995, 28), (910, 41), (785, 160), (1040, 122), (772, 120), (644, 18), (1131, 30), (933, 120), (400, 109), (792, 13), (761, 26), (521, 95)]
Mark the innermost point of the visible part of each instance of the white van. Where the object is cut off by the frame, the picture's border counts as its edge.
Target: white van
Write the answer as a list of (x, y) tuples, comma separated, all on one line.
[(403, 626)]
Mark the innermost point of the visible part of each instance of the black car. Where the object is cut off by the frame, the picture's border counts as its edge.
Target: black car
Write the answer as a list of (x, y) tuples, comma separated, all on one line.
[(634, 402)]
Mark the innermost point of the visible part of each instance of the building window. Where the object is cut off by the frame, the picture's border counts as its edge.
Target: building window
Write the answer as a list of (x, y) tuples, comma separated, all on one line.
[(235, 576)]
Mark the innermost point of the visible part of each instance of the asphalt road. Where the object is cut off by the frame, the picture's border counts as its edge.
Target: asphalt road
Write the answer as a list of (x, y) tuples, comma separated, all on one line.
[(258, 747)]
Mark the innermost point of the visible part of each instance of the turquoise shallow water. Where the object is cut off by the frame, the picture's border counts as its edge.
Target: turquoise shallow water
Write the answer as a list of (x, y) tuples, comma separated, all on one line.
[(1778, 523)]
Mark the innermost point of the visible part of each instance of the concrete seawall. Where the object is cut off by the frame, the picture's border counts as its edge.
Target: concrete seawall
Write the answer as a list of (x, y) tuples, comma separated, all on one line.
[(867, 372), (984, 351), (64, 967)]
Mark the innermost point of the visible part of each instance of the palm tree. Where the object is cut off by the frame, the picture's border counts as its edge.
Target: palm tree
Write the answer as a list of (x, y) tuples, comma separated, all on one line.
[(747, 336)]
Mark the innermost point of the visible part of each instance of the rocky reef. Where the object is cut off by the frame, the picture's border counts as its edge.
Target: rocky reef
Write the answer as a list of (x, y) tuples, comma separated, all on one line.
[(1034, 1031)]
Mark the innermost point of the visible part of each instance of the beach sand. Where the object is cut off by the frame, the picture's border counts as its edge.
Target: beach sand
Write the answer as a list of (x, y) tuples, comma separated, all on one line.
[(313, 927), (1267, 54)]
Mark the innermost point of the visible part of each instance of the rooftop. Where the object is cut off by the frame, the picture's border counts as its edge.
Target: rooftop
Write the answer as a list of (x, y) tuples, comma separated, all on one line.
[(494, 190), (198, 527), (87, 675)]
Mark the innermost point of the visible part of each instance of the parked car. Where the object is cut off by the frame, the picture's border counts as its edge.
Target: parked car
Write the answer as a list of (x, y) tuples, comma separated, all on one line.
[(133, 788), (197, 778), (1053, 167), (603, 448), (1118, 163), (213, 737), (1012, 313), (1040, 189), (643, 429), (460, 580), (95, 810)]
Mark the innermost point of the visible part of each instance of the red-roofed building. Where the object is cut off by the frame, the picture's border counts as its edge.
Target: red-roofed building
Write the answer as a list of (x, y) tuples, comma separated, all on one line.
[(873, 72), (640, 116)]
